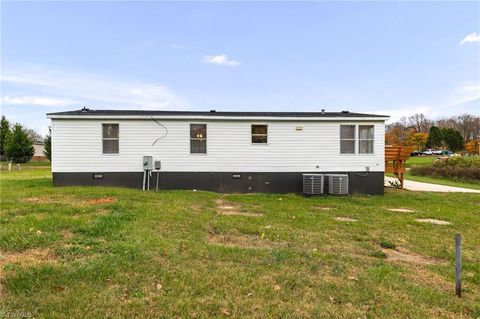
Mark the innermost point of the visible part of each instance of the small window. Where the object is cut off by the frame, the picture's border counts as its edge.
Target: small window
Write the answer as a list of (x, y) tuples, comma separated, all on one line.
[(347, 139), (365, 139), (198, 138), (259, 134), (110, 138)]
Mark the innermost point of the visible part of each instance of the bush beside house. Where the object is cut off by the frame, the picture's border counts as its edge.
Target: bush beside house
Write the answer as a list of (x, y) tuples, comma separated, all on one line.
[(456, 168)]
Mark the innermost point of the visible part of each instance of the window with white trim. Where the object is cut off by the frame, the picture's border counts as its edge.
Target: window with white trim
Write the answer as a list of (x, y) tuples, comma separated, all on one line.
[(198, 138), (347, 139), (366, 139), (110, 138), (259, 134)]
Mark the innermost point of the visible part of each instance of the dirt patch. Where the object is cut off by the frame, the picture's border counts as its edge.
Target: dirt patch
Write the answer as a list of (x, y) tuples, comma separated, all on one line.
[(346, 219), (401, 210), (27, 257), (403, 255), (433, 221), (236, 239), (229, 209), (103, 200)]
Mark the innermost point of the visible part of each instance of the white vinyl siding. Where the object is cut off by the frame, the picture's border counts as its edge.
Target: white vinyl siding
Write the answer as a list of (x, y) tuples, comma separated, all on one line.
[(77, 147)]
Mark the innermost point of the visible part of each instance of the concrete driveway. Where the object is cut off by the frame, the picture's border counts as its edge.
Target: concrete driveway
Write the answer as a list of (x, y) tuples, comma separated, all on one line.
[(427, 187)]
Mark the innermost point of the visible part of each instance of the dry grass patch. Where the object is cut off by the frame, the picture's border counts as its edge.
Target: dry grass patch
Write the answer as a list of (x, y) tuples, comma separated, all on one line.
[(229, 209), (66, 234), (403, 255), (27, 257), (236, 239), (103, 200), (427, 278), (42, 200), (69, 200)]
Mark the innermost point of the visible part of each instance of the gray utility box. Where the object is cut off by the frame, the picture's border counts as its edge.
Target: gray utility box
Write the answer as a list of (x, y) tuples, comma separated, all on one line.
[(337, 184), (313, 184), (147, 163)]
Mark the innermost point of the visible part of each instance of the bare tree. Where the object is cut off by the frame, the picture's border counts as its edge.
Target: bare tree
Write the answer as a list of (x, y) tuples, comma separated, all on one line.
[(34, 135), (420, 123), (467, 124)]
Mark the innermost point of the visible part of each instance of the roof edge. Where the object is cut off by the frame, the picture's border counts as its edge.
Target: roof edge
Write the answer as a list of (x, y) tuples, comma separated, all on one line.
[(87, 113)]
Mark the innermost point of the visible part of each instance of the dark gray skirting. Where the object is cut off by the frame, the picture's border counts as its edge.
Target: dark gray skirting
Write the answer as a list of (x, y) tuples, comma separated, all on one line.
[(232, 182)]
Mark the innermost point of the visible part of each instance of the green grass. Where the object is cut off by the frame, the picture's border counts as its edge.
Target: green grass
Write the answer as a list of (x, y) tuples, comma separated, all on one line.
[(421, 160), (28, 164), (80, 252)]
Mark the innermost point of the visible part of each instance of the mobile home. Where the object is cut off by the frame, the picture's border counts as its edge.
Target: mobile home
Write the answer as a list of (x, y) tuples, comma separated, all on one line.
[(217, 151)]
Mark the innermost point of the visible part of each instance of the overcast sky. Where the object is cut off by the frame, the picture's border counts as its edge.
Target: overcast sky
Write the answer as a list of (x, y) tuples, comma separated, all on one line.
[(394, 58)]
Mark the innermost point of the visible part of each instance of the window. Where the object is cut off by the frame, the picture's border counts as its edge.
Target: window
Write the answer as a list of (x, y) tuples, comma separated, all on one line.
[(365, 139), (198, 138), (259, 134), (110, 138), (347, 139)]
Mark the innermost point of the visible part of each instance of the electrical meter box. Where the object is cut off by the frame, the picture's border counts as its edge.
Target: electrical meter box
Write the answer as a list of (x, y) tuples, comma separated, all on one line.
[(158, 165), (147, 163)]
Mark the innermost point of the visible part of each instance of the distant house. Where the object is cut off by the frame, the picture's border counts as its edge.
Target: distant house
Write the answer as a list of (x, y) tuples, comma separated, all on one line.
[(39, 147), (217, 151)]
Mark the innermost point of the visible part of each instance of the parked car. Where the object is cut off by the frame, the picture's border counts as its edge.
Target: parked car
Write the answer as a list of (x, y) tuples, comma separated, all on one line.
[(447, 153), (416, 153), (428, 152), (437, 152)]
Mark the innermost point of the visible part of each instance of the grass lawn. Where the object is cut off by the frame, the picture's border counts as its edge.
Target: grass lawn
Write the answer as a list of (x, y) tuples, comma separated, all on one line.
[(420, 160), (80, 252), (28, 164)]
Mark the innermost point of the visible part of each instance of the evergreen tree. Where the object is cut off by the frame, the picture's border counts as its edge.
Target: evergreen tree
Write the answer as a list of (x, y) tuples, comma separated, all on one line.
[(434, 137), (4, 132), (48, 144), (19, 146), (453, 139)]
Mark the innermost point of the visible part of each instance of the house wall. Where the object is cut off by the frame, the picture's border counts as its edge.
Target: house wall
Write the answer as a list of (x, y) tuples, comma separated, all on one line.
[(39, 148), (77, 147)]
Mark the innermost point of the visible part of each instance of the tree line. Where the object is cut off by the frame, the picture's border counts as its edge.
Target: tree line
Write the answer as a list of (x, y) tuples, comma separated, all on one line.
[(457, 133), (16, 142)]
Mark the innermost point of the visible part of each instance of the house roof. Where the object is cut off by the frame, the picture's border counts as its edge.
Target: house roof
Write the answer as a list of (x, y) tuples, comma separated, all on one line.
[(213, 114)]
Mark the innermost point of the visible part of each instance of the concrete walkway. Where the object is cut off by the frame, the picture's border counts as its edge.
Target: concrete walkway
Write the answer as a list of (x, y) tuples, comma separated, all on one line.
[(427, 187)]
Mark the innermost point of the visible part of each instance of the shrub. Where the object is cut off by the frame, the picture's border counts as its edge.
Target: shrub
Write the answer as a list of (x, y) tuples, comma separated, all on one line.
[(456, 168), (19, 146)]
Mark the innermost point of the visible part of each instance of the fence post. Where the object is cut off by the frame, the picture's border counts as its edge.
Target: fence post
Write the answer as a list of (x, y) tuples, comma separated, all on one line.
[(458, 265), (10, 166), (18, 167)]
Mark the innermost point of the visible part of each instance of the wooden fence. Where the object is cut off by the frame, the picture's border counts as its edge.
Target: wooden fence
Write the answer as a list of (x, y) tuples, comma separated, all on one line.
[(395, 158)]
